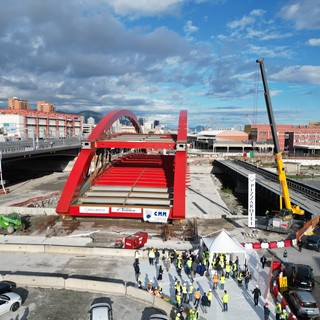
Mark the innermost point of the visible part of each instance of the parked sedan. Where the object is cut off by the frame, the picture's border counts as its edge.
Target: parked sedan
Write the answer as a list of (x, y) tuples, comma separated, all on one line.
[(5, 286), (9, 301), (302, 277), (313, 242), (305, 303)]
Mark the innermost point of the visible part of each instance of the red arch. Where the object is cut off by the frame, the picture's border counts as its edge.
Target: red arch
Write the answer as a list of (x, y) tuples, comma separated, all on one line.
[(79, 172)]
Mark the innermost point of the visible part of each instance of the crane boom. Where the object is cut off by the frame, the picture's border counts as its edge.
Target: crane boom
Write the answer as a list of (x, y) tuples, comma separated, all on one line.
[(277, 152)]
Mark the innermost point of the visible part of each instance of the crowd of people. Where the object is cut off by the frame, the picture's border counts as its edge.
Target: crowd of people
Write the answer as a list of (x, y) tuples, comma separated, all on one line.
[(188, 298)]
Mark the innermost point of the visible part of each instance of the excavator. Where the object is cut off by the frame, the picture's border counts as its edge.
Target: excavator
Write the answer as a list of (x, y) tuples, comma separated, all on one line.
[(282, 219)]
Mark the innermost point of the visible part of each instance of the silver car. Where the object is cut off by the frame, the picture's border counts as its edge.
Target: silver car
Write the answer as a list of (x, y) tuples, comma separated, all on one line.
[(305, 303), (9, 301), (101, 311)]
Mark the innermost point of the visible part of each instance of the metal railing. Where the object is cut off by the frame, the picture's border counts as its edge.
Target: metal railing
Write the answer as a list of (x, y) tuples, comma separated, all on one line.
[(10, 147)]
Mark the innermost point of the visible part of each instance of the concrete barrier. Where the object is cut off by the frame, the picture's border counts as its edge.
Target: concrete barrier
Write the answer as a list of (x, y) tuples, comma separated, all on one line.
[(36, 281), (28, 211), (94, 286), (32, 248), (140, 294), (124, 253)]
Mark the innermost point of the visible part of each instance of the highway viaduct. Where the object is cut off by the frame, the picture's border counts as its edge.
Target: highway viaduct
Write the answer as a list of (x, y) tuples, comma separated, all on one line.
[(268, 186)]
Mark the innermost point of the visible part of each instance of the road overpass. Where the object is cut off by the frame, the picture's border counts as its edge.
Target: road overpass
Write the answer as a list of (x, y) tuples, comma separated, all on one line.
[(268, 186), (12, 150)]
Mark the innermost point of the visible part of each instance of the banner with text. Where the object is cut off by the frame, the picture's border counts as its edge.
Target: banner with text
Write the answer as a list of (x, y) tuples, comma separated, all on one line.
[(251, 200)]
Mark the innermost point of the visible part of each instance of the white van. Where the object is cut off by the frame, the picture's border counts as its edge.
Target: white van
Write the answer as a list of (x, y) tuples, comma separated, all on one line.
[(101, 311)]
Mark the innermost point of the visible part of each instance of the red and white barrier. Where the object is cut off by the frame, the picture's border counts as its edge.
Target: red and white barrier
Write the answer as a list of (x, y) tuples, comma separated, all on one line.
[(270, 245)]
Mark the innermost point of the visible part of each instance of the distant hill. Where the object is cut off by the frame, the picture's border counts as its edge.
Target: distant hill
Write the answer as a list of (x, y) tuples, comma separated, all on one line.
[(97, 116)]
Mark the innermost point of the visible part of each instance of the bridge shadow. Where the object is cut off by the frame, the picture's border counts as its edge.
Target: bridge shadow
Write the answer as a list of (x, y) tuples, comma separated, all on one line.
[(210, 200)]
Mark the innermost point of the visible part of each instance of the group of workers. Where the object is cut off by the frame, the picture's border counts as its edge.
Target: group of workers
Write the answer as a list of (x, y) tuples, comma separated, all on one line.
[(189, 299)]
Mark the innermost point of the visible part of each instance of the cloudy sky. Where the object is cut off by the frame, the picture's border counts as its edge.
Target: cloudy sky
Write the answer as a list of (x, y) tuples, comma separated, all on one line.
[(157, 57)]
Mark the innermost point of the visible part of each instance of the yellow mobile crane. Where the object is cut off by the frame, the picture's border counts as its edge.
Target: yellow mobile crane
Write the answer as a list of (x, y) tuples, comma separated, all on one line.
[(290, 210)]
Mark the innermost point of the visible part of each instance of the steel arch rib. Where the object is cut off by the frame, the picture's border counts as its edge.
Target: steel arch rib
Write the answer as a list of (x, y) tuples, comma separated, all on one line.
[(180, 168), (80, 169)]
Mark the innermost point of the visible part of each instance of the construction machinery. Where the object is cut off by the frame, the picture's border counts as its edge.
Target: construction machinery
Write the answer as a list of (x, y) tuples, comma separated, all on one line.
[(282, 220), (11, 222)]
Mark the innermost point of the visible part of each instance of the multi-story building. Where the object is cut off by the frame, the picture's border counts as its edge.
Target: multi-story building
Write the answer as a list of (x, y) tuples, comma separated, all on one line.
[(44, 106), (18, 104), (291, 137), (26, 124)]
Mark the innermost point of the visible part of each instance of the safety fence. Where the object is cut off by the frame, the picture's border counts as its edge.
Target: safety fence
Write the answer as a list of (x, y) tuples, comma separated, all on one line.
[(308, 226), (276, 268)]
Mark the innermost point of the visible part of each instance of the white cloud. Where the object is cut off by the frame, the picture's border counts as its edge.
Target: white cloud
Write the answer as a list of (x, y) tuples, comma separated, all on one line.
[(306, 74), (190, 28), (143, 7), (314, 42), (303, 13), (246, 20)]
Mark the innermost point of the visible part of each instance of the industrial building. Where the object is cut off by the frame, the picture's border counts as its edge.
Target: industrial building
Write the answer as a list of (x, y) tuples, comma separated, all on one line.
[(293, 139)]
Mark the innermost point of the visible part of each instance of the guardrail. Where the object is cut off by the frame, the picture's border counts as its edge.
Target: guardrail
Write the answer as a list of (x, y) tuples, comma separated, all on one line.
[(29, 145)]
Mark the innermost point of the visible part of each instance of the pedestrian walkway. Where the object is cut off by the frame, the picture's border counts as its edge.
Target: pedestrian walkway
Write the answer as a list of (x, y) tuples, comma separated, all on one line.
[(240, 306)]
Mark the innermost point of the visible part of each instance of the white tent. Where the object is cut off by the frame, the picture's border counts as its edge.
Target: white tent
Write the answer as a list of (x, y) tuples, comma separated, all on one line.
[(224, 243)]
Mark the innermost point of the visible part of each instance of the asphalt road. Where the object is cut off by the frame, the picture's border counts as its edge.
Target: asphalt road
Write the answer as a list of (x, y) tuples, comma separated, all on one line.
[(46, 304)]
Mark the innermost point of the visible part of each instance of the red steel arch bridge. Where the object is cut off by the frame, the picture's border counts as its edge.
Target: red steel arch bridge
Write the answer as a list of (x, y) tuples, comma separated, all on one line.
[(147, 181)]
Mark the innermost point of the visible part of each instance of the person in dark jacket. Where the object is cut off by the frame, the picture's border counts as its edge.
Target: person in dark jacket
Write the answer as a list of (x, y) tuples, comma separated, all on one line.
[(256, 294), (204, 303), (266, 311), (263, 261)]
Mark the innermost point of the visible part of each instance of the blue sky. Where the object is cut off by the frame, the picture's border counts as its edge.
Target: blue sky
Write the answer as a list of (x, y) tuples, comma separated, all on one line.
[(157, 57)]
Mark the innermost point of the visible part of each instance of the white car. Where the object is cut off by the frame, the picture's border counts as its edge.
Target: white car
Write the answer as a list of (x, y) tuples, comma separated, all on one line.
[(9, 301), (101, 311)]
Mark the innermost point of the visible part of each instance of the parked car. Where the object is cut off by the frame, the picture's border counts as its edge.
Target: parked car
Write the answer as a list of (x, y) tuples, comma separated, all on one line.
[(5, 287), (101, 311), (9, 301), (304, 303), (302, 277), (159, 316), (312, 242)]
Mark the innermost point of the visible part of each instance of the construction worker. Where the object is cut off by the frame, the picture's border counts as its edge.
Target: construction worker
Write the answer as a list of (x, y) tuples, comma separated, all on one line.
[(178, 316), (184, 293), (228, 269), (239, 278), (197, 297), (196, 313), (150, 287), (234, 269), (178, 299), (191, 315), (284, 315), (188, 265), (190, 292), (222, 281), (179, 265), (215, 279), (157, 292), (209, 295), (278, 310), (225, 299)]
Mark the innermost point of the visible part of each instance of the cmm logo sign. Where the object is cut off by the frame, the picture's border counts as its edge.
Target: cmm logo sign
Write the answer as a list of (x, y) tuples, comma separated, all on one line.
[(252, 200), (155, 215)]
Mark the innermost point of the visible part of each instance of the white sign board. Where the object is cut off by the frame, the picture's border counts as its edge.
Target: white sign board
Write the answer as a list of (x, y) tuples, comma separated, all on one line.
[(101, 210), (126, 210), (251, 200), (156, 215)]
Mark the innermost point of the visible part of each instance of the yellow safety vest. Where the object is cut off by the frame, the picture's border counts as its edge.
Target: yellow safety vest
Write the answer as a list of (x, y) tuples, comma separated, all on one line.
[(222, 280), (278, 308), (225, 298)]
